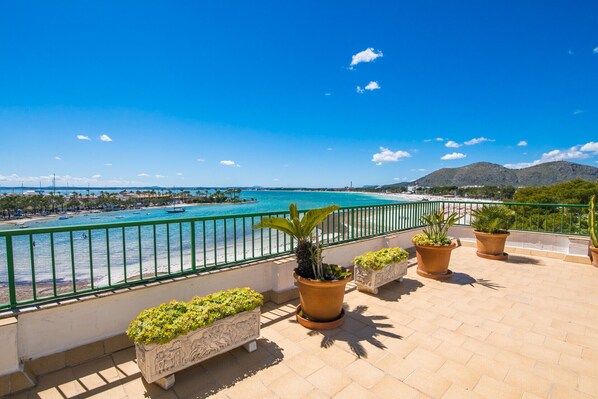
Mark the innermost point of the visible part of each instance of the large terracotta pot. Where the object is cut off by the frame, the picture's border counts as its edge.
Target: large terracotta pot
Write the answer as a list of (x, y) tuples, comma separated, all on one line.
[(433, 261), (491, 246), (321, 301), (594, 251)]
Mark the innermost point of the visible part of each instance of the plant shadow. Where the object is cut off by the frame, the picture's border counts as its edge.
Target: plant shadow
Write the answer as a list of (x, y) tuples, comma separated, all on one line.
[(465, 279), (224, 371), (395, 290), (358, 329), (518, 259)]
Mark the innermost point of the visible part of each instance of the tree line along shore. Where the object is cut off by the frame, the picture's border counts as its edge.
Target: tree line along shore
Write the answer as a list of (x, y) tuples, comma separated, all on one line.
[(576, 191), (16, 206)]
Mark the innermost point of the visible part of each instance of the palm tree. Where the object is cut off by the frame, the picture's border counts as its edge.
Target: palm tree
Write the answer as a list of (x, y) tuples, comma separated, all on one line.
[(309, 259)]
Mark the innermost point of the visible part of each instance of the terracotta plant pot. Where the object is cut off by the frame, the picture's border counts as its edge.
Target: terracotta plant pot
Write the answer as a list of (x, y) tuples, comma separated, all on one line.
[(433, 261), (594, 251), (491, 246), (321, 301)]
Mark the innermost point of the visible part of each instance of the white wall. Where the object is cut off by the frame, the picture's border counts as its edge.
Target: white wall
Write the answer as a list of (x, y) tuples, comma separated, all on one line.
[(9, 360)]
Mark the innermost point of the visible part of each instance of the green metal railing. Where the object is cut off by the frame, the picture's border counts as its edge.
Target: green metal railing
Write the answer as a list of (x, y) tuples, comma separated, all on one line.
[(46, 264), (571, 219)]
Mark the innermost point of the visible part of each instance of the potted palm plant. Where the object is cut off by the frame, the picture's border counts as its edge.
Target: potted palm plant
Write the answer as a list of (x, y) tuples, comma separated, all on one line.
[(593, 227), (321, 286), (491, 225), (433, 247)]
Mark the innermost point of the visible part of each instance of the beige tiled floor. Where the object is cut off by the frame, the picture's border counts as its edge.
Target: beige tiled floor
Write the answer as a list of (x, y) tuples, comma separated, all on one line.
[(523, 329)]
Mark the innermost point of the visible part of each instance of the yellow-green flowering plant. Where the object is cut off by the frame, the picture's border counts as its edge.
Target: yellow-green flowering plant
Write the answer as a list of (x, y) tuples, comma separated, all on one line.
[(167, 321), (377, 260)]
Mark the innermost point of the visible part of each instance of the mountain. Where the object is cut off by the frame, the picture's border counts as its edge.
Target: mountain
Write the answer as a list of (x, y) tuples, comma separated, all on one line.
[(490, 174)]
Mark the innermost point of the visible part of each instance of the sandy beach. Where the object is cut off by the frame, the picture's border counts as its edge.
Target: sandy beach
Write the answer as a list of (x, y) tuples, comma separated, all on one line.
[(426, 197)]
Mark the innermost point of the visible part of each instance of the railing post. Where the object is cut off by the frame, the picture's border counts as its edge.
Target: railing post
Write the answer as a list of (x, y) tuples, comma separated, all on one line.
[(193, 266), (352, 223), (12, 294)]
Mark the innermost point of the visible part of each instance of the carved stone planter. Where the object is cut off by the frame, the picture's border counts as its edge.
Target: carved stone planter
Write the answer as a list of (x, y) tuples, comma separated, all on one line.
[(369, 280), (159, 362)]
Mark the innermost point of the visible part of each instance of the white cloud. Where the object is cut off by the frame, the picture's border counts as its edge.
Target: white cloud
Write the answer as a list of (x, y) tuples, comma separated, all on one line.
[(452, 156), (228, 162), (200, 160), (58, 158), (372, 86), (477, 141), (422, 170), (83, 137), (522, 143), (329, 149), (575, 152), (96, 176), (439, 139), (143, 175), (179, 174), (578, 111), (452, 144), (327, 94), (105, 137), (107, 164), (274, 179), (590, 147), (595, 51), (66, 179), (400, 178), (562, 155), (367, 55), (386, 155), (160, 176), (519, 165)]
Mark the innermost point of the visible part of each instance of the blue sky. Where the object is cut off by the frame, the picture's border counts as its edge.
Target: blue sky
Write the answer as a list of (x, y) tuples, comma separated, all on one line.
[(291, 93)]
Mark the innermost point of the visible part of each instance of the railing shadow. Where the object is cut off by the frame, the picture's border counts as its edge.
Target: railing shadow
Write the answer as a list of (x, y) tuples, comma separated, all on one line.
[(465, 279), (101, 377), (372, 328)]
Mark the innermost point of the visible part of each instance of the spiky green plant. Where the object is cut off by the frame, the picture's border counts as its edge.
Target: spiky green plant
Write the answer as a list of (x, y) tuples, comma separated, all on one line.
[(593, 227), (493, 219), (437, 225), (309, 256)]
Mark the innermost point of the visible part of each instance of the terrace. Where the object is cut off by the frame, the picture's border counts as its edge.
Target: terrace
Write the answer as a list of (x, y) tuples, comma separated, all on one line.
[(523, 328)]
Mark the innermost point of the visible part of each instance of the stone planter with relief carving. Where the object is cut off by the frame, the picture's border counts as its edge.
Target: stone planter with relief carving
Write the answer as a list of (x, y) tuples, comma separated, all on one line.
[(159, 362), (370, 280)]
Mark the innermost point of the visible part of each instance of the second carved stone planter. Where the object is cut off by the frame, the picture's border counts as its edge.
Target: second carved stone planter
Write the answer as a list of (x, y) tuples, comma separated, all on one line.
[(159, 362), (370, 280)]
